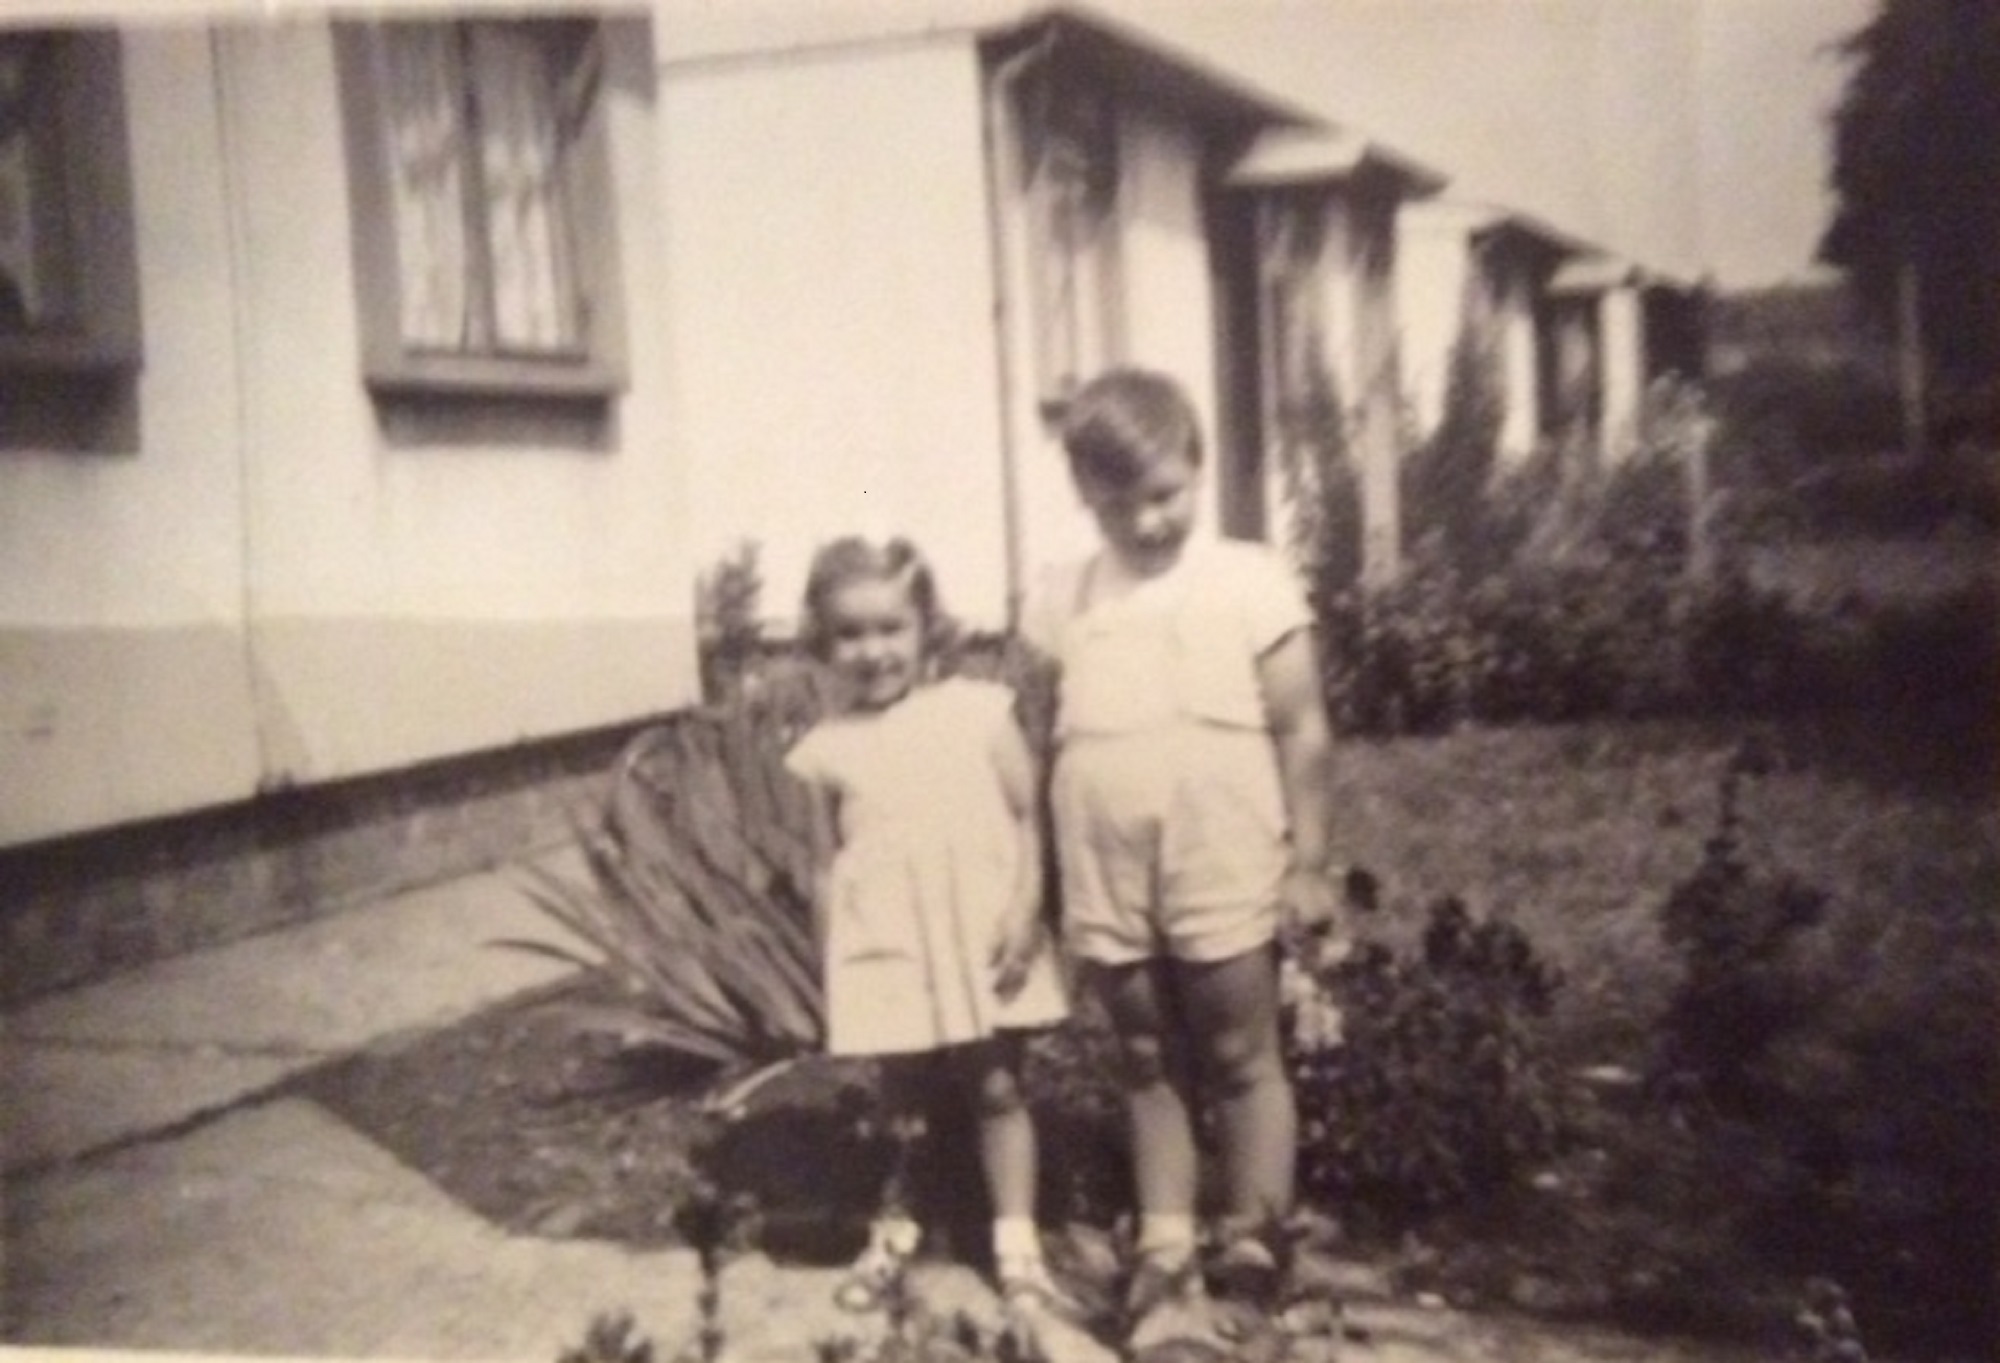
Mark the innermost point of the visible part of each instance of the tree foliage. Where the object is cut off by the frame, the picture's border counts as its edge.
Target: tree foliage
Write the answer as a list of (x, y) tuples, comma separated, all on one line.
[(1916, 172)]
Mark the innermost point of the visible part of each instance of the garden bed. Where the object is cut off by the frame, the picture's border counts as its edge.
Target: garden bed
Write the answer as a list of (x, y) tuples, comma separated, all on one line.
[(1575, 835)]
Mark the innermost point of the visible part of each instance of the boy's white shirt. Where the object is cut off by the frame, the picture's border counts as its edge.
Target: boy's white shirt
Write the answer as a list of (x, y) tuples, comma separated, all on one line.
[(1225, 603)]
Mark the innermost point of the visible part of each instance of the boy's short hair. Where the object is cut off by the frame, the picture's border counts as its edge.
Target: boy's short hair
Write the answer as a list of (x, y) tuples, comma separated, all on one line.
[(1124, 421)]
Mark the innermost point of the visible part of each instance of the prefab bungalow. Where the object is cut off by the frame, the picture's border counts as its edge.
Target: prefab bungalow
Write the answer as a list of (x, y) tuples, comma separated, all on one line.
[(1615, 328), (337, 439), (897, 240), (372, 390), (1319, 210), (1573, 335), (1474, 274)]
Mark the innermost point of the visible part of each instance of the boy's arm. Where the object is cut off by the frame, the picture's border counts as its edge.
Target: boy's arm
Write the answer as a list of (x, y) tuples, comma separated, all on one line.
[(1288, 676)]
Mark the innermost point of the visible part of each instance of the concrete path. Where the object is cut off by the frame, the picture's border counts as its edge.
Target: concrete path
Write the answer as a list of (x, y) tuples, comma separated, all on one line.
[(155, 1048), (164, 1195)]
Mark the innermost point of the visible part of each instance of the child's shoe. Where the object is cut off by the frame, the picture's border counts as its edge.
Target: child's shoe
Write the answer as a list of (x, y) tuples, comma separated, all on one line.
[(866, 1286), (1027, 1287), (1027, 1282), (1169, 1309), (1245, 1268)]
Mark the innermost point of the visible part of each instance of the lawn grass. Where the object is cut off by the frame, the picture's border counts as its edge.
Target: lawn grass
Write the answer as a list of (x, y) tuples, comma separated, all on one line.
[(1579, 832)]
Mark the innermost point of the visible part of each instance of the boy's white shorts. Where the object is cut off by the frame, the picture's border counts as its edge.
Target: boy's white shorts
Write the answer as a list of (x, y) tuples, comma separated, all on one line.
[(1172, 843)]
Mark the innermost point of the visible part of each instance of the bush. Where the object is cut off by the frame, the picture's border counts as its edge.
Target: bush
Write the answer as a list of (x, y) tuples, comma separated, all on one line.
[(1322, 489), (1897, 497), (1841, 1102), (1560, 590), (1436, 1090), (729, 626), (1542, 642), (1445, 479), (1783, 418), (1620, 636)]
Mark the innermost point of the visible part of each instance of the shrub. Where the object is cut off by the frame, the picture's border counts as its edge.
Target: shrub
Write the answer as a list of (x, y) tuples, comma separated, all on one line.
[(1898, 497), (1841, 1100), (729, 628), (1445, 478), (1623, 636), (1438, 1091), (1782, 418), (1396, 658), (1322, 490), (1733, 929)]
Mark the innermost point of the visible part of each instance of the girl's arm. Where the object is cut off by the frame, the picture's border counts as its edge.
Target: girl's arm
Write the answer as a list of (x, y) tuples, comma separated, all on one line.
[(823, 830), (1288, 675), (1020, 936)]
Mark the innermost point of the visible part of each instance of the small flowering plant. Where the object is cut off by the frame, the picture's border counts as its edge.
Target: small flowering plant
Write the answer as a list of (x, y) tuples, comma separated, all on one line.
[(1312, 1017), (1423, 1079)]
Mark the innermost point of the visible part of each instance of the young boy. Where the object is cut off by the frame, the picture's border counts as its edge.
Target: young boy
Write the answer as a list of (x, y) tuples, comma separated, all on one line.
[(1191, 814)]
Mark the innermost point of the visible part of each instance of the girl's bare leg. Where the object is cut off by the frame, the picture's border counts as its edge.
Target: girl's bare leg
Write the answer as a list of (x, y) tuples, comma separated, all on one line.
[(989, 1073), (905, 1085), (893, 1235)]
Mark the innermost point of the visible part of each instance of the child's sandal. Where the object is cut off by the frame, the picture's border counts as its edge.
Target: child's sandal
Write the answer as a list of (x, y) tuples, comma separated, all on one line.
[(1246, 1268), (1167, 1306), (866, 1286), (1028, 1288)]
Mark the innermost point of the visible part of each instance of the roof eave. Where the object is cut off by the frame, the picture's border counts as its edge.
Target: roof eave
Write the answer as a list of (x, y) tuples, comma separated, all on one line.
[(1601, 273), (1291, 157), (1139, 63)]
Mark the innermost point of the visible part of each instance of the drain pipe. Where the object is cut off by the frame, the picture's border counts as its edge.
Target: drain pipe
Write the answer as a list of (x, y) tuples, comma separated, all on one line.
[(1002, 172)]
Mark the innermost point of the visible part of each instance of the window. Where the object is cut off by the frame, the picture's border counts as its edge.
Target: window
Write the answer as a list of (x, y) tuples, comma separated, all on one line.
[(69, 314), (1070, 137), (34, 265), (483, 235)]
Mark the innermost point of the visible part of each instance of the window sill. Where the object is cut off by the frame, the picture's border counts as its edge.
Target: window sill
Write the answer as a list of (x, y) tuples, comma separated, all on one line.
[(66, 356), (451, 376)]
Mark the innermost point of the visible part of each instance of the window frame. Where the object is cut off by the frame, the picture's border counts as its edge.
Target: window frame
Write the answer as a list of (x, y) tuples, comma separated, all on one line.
[(392, 369), (1070, 127), (85, 162)]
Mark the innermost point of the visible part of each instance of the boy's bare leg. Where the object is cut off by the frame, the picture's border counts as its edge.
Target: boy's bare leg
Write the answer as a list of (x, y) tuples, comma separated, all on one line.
[(1155, 1081), (1231, 1014)]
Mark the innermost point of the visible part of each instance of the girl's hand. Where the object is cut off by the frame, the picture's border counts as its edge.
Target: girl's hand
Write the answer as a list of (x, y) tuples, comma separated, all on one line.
[(1020, 941)]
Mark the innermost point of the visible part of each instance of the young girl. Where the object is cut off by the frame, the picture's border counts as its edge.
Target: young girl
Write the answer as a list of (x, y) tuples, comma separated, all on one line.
[(929, 889), (1191, 819)]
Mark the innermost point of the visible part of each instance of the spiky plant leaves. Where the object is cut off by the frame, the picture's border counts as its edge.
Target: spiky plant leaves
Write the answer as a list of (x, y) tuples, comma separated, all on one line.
[(693, 912)]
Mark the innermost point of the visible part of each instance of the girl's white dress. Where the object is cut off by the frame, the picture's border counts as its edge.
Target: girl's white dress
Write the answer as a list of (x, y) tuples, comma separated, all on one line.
[(925, 873)]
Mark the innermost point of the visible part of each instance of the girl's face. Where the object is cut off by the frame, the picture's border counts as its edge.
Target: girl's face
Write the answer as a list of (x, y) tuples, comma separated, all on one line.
[(1148, 520), (875, 639)]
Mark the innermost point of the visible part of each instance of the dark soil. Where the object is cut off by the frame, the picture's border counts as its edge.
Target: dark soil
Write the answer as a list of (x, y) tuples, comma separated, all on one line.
[(537, 1129), (544, 1130)]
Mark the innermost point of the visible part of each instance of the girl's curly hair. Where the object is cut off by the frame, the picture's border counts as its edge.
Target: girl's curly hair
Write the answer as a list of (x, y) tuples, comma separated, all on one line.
[(851, 558)]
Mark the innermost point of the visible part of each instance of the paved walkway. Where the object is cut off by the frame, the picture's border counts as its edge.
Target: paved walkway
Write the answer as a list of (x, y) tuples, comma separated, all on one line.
[(162, 1194)]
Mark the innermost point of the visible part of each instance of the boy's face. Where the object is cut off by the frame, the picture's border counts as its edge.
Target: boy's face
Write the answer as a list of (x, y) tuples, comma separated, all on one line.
[(1146, 521)]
